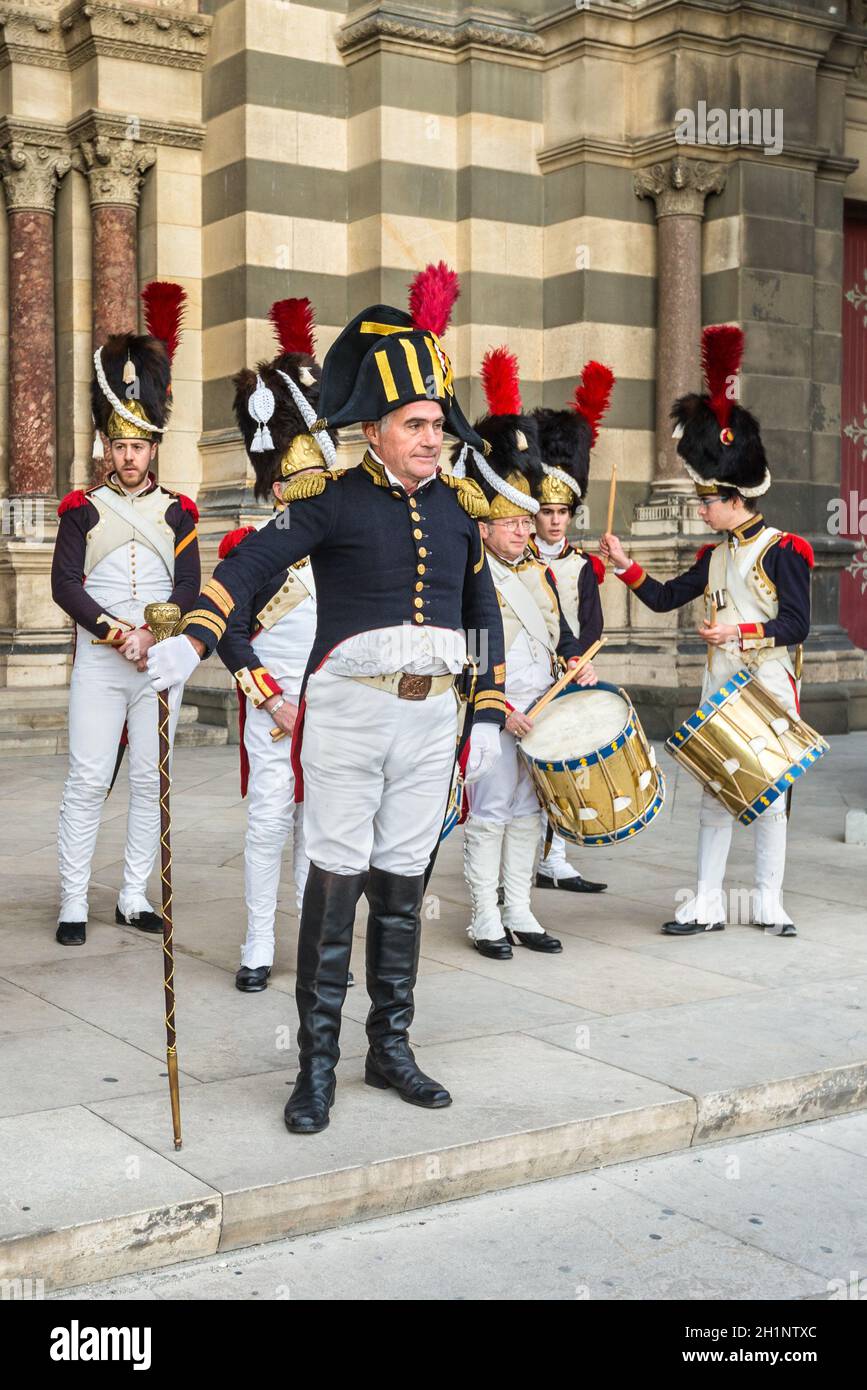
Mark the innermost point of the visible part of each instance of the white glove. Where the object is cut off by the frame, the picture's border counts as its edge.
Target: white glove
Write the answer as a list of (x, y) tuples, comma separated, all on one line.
[(484, 751), (171, 662)]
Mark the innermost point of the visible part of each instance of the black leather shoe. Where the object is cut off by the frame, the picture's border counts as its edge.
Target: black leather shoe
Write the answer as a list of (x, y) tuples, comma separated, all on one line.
[(690, 928), (495, 950), (536, 941), (324, 948), (782, 929), (252, 980), (574, 884), (71, 933), (145, 921), (393, 943)]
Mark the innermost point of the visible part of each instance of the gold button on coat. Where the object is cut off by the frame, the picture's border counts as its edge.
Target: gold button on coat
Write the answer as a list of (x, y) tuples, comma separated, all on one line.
[(417, 533)]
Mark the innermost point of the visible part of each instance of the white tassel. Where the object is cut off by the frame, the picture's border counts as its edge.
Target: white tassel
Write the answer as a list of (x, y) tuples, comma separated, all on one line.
[(306, 376), (267, 441), (98, 450), (260, 407)]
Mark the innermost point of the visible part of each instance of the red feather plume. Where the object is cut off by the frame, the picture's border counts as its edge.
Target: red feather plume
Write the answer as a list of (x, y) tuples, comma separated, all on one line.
[(293, 323), (164, 312), (432, 296), (501, 382), (593, 394), (233, 538), (722, 347)]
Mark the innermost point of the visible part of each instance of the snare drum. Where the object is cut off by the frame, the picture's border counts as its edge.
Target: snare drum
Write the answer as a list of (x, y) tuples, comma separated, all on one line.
[(592, 767), (744, 747)]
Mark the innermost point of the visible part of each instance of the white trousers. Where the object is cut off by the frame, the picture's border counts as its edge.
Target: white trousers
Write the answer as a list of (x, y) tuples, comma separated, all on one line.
[(506, 792), (377, 772), (106, 690), (271, 814), (708, 904)]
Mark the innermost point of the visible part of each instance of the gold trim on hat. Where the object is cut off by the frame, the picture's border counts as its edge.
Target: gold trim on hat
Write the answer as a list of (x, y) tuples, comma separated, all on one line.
[(501, 508), (119, 428), (554, 492), (303, 453), (386, 376)]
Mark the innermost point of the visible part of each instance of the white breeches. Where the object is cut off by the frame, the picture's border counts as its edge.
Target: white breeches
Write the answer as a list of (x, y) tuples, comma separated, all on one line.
[(709, 903), (377, 773), (271, 814), (105, 691), (506, 792)]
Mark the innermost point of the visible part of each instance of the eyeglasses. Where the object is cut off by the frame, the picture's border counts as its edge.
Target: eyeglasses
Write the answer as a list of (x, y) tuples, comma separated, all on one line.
[(514, 523)]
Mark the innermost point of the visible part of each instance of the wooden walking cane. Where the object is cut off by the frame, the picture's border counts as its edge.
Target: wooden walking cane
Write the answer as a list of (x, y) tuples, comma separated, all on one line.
[(162, 619)]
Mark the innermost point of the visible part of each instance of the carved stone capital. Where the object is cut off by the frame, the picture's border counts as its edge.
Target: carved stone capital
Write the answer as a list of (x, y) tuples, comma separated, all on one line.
[(679, 186), (114, 168), (172, 34), (32, 163), (384, 24)]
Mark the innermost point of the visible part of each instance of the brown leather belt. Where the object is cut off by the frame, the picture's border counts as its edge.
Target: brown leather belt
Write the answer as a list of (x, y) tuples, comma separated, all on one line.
[(407, 687)]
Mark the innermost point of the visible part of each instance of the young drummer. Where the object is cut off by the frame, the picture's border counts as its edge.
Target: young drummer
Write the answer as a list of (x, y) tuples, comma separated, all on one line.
[(565, 440), (756, 582), (267, 641), (501, 836)]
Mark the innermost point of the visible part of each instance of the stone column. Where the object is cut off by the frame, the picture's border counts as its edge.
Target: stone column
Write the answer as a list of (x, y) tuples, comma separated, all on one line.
[(679, 188), (31, 172), (115, 168)]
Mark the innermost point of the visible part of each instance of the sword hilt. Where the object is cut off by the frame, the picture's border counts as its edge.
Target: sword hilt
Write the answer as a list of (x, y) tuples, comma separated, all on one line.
[(162, 619)]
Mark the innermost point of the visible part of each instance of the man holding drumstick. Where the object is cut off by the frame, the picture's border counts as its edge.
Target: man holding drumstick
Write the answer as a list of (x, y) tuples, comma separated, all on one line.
[(504, 814)]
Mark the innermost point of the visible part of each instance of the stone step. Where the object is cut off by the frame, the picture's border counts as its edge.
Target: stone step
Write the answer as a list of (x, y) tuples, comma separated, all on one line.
[(41, 730)]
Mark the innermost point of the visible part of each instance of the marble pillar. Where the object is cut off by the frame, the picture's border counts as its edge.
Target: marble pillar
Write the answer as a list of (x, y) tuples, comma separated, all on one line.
[(679, 188), (30, 175), (115, 168)]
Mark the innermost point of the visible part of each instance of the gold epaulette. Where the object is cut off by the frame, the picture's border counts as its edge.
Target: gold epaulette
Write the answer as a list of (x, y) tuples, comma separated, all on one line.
[(470, 495), (311, 485)]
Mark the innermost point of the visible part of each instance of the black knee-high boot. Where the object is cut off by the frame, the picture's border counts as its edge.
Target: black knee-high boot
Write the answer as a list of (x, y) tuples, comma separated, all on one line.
[(324, 948), (393, 943)]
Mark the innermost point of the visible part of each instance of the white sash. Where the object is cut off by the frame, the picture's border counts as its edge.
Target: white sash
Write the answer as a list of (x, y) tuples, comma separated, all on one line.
[(142, 528), (522, 603)]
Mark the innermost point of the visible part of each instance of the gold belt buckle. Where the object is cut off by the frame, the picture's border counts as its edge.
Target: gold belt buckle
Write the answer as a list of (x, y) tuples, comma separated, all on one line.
[(414, 687)]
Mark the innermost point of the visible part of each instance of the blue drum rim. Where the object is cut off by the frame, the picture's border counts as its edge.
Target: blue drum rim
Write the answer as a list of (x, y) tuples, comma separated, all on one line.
[(590, 759), (766, 799)]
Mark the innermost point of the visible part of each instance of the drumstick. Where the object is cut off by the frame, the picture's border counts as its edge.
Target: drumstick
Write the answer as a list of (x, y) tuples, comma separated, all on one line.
[(108, 641), (612, 493), (565, 679)]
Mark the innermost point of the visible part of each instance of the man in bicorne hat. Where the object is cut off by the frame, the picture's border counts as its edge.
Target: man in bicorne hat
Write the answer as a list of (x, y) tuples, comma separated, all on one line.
[(501, 835), (120, 546), (757, 586), (400, 578), (267, 642), (566, 438)]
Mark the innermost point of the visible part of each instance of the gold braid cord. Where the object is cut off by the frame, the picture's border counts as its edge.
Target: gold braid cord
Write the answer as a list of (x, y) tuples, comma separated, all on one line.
[(470, 495)]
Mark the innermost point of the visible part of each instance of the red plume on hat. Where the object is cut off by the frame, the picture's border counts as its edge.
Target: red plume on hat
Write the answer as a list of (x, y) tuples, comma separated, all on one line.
[(722, 347), (294, 324), (164, 303), (501, 382), (593, 395), (432, 296)]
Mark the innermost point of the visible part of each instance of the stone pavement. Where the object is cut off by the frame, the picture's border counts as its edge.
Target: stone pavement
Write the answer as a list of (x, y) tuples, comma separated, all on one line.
[(773, 1216), (629, 1044)]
